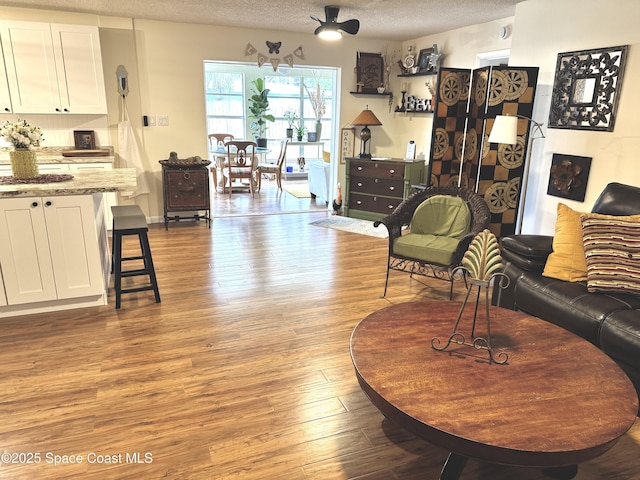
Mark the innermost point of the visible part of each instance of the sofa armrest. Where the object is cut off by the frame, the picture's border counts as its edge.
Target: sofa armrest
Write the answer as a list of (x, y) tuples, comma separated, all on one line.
[(529, 252)]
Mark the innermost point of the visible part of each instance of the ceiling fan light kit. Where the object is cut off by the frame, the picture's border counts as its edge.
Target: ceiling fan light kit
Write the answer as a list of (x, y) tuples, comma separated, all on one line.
[(331, 29)]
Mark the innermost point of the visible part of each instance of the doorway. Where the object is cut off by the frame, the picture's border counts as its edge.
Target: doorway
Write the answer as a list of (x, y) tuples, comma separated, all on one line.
[(298, 97)]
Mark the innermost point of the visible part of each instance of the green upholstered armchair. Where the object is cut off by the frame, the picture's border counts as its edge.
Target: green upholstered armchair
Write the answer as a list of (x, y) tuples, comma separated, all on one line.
[(441, 222)]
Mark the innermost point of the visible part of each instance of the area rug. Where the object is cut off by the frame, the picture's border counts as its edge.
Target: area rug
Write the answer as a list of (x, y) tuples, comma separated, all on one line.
[(298, 191), (353, 225)]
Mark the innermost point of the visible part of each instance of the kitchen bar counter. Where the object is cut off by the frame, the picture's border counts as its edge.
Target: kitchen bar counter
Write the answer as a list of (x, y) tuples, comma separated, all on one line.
[(54, 250), (82, 183)]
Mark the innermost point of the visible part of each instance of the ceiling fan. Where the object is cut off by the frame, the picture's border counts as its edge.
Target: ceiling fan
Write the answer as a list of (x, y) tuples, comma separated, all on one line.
[(331, 29)]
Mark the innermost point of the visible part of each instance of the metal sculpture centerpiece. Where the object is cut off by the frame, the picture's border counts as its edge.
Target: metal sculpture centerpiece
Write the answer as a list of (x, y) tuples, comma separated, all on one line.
[(482, 263)]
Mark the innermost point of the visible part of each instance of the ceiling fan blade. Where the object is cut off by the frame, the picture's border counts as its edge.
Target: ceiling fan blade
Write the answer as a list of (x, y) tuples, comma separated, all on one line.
[(319, 29), (350, 26), (313, 17)]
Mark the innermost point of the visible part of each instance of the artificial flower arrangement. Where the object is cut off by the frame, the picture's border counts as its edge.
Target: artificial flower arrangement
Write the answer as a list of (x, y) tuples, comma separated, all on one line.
[(21, 134), (318, 101)]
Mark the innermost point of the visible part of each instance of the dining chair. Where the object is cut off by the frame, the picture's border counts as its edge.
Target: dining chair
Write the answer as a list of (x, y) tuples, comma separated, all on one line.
[(274, 168), (218, 150), (241, 164)]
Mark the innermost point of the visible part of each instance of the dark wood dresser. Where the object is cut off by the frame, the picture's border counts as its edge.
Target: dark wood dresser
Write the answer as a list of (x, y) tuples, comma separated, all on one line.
[(375, 187), (185, 187)]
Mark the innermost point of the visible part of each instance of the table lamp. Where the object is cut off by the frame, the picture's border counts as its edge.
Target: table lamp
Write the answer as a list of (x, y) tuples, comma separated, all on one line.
[(365, 119)]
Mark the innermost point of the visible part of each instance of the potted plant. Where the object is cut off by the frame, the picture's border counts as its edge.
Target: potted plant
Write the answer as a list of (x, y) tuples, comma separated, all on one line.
[(24, 137), (300, 129), (290, 116), (258, 106)]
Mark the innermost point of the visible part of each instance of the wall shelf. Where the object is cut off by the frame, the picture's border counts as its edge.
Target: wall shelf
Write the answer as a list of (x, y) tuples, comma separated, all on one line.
[(419, 74), (385, 94), (397, 110)]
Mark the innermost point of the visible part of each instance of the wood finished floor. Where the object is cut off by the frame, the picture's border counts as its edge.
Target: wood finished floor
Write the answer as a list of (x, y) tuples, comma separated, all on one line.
[(242, 372)]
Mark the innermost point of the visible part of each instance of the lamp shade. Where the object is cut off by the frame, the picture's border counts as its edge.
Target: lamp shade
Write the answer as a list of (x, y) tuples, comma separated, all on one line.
[(505, 130), (365, 118)]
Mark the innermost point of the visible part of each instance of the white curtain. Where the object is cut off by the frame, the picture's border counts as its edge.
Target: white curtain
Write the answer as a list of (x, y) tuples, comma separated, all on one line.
[(129, 152)]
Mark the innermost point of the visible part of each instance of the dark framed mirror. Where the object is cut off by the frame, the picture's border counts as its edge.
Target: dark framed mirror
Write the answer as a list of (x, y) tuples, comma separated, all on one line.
[(586, 89)]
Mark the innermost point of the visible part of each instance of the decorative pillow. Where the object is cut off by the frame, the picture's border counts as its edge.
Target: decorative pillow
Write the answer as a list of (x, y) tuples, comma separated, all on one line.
[(612, 249), (567, 261)]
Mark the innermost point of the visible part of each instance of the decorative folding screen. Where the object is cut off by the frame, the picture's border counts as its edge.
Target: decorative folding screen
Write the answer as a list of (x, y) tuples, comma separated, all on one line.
[(467, 103)]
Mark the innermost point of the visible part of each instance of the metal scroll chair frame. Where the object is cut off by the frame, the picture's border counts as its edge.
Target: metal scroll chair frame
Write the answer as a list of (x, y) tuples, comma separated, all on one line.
[(402, 215)]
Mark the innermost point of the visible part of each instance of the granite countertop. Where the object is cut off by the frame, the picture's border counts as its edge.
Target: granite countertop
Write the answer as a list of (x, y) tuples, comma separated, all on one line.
[(54, 155), (82, 183)]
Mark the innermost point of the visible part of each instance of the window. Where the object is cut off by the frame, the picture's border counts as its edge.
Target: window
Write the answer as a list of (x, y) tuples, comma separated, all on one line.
[(292, 92), (228, 86), (224, 97)]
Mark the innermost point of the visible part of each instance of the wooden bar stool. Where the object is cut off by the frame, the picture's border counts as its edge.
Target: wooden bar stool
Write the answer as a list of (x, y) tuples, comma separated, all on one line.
[(129, 220)]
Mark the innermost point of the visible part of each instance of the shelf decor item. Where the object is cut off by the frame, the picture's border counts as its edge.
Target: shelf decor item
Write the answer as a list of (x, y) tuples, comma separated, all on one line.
[(370, 71), (23, 137), (84, 139)]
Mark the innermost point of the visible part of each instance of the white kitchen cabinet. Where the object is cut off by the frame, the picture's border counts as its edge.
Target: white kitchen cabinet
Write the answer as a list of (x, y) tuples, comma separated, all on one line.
[(5, 97), (53, 68), (49, 249)]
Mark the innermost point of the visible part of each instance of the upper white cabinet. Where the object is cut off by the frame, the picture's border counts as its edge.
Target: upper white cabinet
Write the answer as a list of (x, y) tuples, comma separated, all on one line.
[(5, 97), (53, 68)]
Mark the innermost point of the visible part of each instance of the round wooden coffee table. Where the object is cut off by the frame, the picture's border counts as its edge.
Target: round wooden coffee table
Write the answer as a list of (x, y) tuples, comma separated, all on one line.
[(559, 400)]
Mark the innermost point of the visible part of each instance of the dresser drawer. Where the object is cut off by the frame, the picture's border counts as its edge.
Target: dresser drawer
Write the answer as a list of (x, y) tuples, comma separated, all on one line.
[(373, 203), (390, 187), (375, 169)]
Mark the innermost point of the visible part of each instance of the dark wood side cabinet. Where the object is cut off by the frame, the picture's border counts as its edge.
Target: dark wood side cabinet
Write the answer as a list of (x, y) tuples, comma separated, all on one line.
[(375, 187), (185, 187)]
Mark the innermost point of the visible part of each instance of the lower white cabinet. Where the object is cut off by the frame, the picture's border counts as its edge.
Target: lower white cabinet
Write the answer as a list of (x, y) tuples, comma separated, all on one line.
[(49, 248)]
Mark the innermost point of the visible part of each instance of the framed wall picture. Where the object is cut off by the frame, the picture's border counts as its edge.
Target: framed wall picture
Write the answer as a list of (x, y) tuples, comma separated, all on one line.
[(370, 72), (586, 89), (568, 176), (84, 139), (347, 143), (423, 58)]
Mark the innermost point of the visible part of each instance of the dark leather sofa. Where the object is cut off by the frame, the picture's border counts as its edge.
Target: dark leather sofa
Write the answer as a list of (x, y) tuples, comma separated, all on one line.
[(611, 321)]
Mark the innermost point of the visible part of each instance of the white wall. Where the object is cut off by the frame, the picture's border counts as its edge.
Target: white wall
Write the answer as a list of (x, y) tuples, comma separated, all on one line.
[(170, 64), (544, 28), (460, 49)]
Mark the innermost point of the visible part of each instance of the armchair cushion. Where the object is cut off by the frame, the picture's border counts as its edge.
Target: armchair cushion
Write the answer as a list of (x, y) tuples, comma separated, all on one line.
[(429, 248), (442, 215), (436, 228), (567, 261)]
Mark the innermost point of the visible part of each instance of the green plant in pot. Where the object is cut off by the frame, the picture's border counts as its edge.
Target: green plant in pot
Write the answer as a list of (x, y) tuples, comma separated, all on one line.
[(258, 107), (290, 116), (300, 129)]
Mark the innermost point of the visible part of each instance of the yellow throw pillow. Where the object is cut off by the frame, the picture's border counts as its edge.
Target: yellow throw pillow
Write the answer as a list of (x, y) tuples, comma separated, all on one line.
[(567, 261)]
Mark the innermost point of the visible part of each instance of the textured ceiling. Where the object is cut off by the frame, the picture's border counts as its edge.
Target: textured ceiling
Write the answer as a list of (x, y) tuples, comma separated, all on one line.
[(384, 19)]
